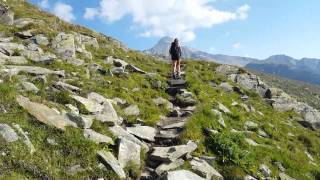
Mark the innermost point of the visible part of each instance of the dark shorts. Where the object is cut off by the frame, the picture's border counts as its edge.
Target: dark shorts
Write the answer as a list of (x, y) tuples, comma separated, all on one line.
[(175, 58)]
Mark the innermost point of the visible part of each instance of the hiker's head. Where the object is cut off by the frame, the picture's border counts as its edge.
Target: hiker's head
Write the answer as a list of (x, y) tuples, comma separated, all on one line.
[(176, 41)]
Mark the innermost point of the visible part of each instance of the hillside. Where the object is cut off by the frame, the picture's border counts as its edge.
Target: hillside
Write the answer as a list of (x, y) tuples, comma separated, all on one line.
[(76, 104), (302, 91)]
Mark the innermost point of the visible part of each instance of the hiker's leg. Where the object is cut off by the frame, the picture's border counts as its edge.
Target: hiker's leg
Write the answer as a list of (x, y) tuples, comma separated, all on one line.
[(173, 67), (178, 67)]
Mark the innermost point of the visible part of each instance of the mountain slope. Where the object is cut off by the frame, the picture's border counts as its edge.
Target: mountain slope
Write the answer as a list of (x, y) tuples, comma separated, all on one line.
[(162, 49), (76, 104), (306, 69)]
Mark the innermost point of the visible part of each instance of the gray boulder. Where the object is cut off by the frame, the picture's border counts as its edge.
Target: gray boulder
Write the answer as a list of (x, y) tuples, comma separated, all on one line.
[(133, 68), (226, 87), (223, 108), (129, 153), (64, 45), (163, 102), (170, 154), (205, 170), (8, 134), (23, 22), (82, 121), (265, 170), (6, 15), (40, 39), (165, 167), (132, 110), (45, 114), (109, 160), (90, 105), (72, 109), (64, 86), (29, 87), (143, 132), (10, 49), (97, 137), (250, 126)]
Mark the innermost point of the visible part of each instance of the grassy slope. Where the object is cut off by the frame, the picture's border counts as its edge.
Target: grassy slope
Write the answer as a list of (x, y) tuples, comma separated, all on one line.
[(234, 156)]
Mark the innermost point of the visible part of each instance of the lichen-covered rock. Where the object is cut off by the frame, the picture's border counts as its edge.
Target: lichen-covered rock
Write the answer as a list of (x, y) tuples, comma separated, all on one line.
[(6, 15), (64, 45), (97, 137), (129, 153), (205, 170), (143, 132), (8, 134), (132, 110)]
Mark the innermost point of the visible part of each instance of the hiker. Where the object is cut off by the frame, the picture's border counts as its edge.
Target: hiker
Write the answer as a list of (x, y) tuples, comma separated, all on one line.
[(175, 52)]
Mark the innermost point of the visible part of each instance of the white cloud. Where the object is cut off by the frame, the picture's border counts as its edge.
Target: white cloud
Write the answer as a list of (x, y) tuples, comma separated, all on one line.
[(237, 46), (178, 18), (212, 49), (64, 11), (90, 13), (44, 4)]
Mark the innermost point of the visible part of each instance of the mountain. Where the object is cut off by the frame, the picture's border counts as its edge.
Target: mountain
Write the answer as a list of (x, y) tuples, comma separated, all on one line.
[(77, 104), (305, 69), (162, 49)]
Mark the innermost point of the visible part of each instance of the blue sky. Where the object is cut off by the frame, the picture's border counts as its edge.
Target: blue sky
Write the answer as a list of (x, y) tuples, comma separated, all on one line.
[(254, 28)]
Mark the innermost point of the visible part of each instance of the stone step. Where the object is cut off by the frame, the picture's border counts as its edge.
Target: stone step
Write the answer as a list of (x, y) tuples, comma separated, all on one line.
[(167, 121), (177, 82)]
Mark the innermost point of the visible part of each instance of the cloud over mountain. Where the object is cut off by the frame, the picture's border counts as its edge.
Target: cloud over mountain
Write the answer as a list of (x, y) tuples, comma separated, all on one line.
[(64, 11), (179, 18)]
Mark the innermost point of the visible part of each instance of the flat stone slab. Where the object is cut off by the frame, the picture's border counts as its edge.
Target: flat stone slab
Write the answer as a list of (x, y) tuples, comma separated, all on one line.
[(129, 152), (172, 153), (90, 105), (97, 137), (143, 132), (34, 70), (181, 175), (45, 114), (169, 166), (176, 82), (168, 134), (204, 169), (110, 160), (178, 125)]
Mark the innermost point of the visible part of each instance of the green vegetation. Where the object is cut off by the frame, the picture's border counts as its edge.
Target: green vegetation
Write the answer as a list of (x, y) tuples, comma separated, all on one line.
[(235, 158)]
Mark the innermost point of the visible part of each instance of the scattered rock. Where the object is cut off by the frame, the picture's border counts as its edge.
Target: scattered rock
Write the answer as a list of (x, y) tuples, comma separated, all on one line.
[(120, 63), (250, 126), (33, 70), (204, 169), (265, 170), (163, 102), (6, 15), (165, 167), (132, 110), (26, 139), (45, 114), (109, 160), (251, 142), (119, 132), (262, 133), (82, 121), (25, 34), (132, 68), (64, 45), (223, 108), (29, 87), (97, 137), (179, 175), (170, 154), (23, 22), (8, 134), (226, 87), (248, 177), (143, 132), (52, 142), (129, 153), (220, 118), (40, 39), (118, 71), (90, 105), (283, 176), (72, 109), (119, 101), (67, 87)]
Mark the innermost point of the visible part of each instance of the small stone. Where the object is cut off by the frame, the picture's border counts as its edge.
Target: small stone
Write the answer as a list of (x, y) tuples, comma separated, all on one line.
[(265, 170), (263, 134), (8, 134), (52, 142), (223, 108), (251, 142), (220, 117), (226, 87), (97, 137), (29, 87), (132, 110), (72, 109), (250, 126), (283, 176)]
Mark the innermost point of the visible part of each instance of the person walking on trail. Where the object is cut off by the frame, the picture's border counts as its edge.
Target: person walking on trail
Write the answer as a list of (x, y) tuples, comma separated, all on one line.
[(175, 52)]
